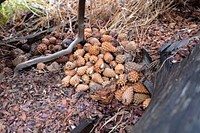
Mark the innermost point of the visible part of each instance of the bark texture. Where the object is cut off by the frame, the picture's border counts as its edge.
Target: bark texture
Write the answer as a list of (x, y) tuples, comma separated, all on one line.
[(175, 104)]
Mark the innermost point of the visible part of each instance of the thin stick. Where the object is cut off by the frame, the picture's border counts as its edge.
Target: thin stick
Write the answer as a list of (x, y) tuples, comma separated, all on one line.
[(115, 116), (80, 38)]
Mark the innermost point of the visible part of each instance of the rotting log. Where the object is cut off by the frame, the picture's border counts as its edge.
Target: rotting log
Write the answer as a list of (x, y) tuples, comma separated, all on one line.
[(175, 104)]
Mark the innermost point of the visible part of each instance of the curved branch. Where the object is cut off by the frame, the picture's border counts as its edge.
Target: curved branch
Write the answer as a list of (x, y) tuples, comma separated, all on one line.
[(46, 58)]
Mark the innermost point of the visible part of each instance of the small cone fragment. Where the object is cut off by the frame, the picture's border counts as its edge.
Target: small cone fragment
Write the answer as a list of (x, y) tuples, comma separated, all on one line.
[(70, 72), (96, 77), (119, 69), (108, 57), (140, 88), (70, 65), (133, 76), (146, 102), (87, 46), (122, 80), (106, 38), (119, 93), (94, 41), (74, 81), (52, 40), (79, 52), (81, 70), (41, 66), (130, 66), (120, 58), (87, 57), (122, 36), (93, 59), (86, 79), (46, 41), (80, 61), (94, 50), (82, 87), (107, 46), (127, 96), (89, 30), (109, 73), (131, 46), (139, 98), (99, 66), (66, 81), (41, 48), (90, 70)]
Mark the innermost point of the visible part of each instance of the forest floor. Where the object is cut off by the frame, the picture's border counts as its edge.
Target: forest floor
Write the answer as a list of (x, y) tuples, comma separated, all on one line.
[(36, 101)]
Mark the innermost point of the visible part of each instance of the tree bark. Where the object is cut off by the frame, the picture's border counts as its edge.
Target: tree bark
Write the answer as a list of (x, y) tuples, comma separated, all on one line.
[(175, 104)]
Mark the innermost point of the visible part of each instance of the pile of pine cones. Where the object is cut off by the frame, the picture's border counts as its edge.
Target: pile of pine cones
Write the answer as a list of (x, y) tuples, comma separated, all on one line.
[(104, 67), (51, 43)]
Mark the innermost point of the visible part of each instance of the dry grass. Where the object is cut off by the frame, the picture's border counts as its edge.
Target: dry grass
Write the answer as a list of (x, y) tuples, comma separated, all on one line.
[(118, 15), (123, 15)]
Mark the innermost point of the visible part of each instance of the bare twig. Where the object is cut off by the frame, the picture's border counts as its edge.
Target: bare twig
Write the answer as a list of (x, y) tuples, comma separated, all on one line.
[(8, 45), (112, 118)]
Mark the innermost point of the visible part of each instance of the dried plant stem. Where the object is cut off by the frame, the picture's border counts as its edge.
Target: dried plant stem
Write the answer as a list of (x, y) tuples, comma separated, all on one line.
[(112, 118)]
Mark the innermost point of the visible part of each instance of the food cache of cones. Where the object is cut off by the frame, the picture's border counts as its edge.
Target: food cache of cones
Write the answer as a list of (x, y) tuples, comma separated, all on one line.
[(105, 69)]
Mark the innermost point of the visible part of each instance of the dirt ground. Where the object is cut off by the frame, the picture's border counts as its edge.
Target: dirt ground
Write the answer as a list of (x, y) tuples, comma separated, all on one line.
[(35, 101)]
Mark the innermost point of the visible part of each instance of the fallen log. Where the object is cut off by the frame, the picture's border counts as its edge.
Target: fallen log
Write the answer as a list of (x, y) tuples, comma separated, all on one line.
[(175, 104)]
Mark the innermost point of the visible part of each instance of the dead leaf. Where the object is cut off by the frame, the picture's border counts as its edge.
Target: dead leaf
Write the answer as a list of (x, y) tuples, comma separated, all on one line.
[(105, 95), (23, 116), (20, 130), (146, 102), (4, 112), (2, 127), (15, 108), (5, 104), (53, 67), (193, 25), (64, 102)]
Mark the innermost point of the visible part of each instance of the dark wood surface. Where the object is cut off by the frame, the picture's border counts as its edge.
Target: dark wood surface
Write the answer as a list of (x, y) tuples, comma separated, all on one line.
[(175, 106), (1, 1)]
